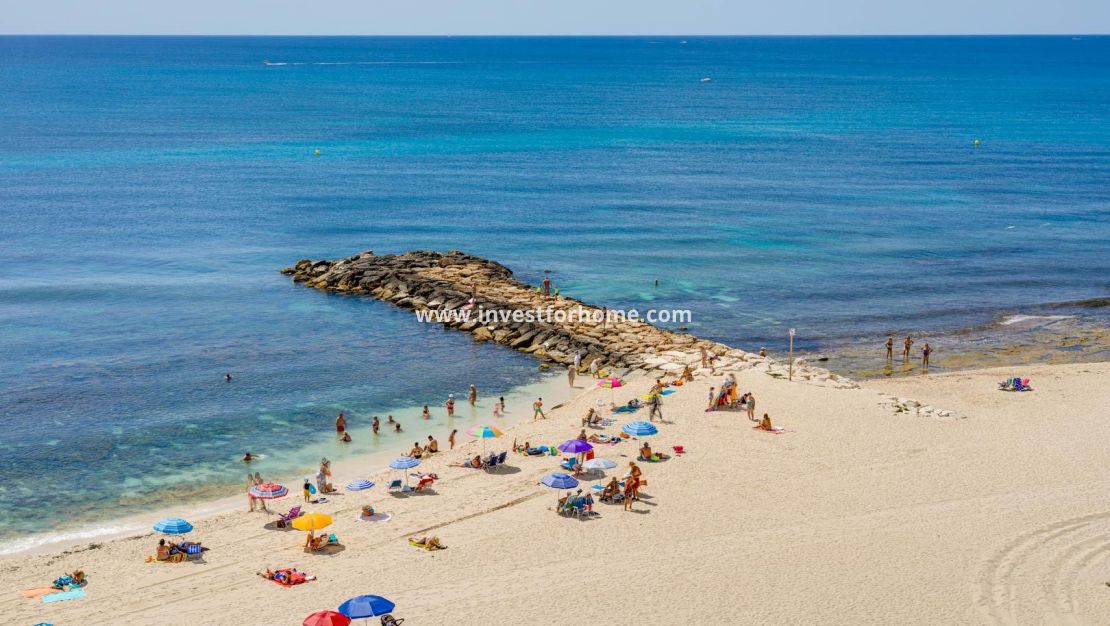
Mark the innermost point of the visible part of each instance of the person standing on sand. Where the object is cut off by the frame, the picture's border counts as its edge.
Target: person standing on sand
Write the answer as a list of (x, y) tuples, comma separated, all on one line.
[(472, 396), (751, 406), (712, 397), (258, 481), (634, 473), (656, 405), (451, 438), (570, 375), (450, 404), (250, 483), (537, 409), (340, 424), (906, 350), (595, 367), (890, 348), (925, 352)]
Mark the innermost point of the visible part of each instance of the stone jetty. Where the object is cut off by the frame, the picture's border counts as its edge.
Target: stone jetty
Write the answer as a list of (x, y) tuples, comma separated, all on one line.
[(444, 283)]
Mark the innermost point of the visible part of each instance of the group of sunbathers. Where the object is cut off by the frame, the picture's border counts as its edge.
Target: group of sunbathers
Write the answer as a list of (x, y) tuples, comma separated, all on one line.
[(574, 501), (173, 552)]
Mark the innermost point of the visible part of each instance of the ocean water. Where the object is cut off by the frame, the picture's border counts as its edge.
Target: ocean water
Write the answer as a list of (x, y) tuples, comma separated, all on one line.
[(152, 187)]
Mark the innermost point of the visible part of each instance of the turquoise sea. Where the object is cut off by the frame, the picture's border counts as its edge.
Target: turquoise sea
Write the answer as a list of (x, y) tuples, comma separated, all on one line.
[(152, 187)]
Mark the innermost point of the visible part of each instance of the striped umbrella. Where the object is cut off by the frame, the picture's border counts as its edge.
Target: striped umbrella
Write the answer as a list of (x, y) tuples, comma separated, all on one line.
[(484, 432), (365, 607), (403, 463), (359, 485), (327, 618), (640, 429), (173, 526), (269, 491)]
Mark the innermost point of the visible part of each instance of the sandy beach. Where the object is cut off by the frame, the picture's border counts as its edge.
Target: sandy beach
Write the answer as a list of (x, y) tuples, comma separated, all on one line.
[(856, 514)]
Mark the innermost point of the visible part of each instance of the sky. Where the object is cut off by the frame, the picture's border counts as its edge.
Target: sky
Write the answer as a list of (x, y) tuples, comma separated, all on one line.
[(554, 17)]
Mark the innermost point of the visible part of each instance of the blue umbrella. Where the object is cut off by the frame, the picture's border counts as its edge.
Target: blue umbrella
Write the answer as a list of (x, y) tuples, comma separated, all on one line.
[(364, 607), (173, 526), (640, 429), (359, 485), (559, 480), (404, 462)]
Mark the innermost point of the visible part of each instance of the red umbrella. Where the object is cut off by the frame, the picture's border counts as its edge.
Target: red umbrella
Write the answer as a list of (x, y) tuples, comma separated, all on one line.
[(327, 618)]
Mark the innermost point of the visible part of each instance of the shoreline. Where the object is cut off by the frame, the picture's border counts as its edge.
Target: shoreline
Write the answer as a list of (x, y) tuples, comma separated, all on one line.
[(139, 523)]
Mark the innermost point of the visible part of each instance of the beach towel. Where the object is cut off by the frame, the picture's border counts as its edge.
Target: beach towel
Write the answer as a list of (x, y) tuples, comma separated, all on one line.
[(666, 392), (62, 596), (36, 592), (776, 431), (376, 517)]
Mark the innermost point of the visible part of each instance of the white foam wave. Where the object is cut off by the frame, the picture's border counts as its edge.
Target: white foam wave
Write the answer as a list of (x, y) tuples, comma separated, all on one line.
[(1034, 319)]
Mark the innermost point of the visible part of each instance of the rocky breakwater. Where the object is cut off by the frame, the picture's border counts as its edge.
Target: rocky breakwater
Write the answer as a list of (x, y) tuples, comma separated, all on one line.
[(444, 283)]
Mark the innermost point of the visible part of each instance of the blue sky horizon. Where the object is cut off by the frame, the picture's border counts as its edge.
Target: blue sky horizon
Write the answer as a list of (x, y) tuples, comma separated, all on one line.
[(548, 18)]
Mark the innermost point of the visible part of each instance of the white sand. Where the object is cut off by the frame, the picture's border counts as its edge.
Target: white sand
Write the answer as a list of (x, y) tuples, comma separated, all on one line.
[(855, 516)]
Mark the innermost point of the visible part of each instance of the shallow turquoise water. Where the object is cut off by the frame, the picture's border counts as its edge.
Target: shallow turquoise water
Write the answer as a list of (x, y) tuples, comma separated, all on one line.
[(150, 189)]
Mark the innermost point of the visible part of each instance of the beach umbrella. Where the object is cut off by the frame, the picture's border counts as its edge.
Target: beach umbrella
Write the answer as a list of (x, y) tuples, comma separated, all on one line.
[(611, 383), (403, 463), (483, 433), (312, 522), (364, 607), (269, 491), (599, 464), (559, 480), (575, 446), (640, 429), (359, 485), (173, 526), (327, 618)]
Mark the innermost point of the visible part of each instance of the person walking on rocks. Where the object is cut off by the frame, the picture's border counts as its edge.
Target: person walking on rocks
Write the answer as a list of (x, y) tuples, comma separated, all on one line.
[(537, 409)]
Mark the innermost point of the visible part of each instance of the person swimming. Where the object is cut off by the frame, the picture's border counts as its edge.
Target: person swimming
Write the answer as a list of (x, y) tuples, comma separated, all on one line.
[(248, 457)]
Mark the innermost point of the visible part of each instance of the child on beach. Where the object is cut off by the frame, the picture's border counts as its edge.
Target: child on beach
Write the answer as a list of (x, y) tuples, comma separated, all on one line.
[(712, 394), (307, 490)]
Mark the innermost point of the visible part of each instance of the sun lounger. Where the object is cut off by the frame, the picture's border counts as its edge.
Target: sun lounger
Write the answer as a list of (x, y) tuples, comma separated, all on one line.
[(501, 457), (293, 514)]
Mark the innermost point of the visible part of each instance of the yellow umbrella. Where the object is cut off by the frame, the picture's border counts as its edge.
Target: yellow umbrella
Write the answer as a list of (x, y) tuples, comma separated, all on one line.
[(312, 521)]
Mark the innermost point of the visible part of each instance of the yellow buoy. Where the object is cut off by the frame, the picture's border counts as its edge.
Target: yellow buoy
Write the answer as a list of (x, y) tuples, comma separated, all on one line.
[(318, 150), (976, 144)]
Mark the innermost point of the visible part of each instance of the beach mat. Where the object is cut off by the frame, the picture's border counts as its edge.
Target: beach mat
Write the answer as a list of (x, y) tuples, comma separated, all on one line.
[(37, 592), (64, 595)]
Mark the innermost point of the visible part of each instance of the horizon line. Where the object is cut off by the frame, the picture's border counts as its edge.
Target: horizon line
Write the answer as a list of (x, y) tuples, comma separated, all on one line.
[(579, 35)]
